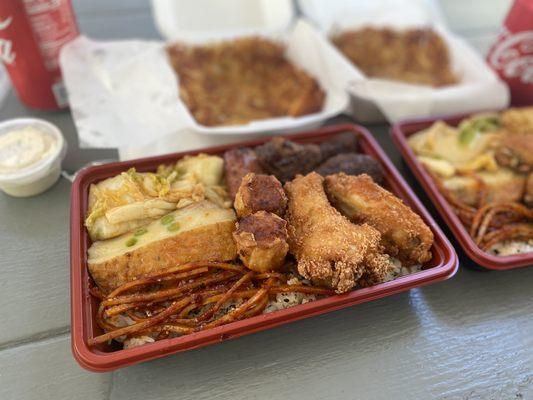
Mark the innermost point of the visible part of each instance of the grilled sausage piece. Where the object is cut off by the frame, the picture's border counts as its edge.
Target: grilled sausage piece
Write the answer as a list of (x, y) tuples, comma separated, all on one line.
[(259, 192), (238, 163)]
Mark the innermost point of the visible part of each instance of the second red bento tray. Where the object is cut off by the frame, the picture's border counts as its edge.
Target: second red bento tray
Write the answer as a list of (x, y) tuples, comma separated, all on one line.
[(109, 357), (400, 132)]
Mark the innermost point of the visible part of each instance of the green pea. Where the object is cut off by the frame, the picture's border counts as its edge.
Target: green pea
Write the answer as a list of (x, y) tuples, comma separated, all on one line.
[(167, 219), (467, 135), (131, 242), (174, 227), (140, 231)]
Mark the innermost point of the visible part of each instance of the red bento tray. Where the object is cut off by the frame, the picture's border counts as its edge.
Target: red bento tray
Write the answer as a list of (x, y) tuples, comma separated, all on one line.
[(83, 306), (400, 132)]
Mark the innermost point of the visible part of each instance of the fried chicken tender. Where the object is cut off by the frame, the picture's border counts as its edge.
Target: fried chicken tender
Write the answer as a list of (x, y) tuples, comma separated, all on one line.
[(403, 233), (330, 250), (517, 120), (259, 192), (261, 240)]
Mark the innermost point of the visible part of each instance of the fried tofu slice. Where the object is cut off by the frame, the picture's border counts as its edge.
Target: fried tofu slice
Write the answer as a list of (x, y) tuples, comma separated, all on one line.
[(330, 250), (403, 233), (199, 232), (261, 240)]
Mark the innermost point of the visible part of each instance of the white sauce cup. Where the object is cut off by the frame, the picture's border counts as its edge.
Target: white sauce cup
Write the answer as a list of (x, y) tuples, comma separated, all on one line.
[(38, 177)]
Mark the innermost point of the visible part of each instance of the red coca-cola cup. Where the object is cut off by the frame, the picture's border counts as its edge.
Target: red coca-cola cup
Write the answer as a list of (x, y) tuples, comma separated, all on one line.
[(32, 33), (512, 54)]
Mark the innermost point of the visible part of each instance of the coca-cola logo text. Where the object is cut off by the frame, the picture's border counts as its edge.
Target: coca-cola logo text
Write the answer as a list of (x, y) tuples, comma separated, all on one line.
[(513, 56), (6, 46)]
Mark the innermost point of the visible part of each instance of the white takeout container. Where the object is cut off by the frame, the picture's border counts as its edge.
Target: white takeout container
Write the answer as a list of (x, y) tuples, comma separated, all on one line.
[(377, 100), (306, 50), (190, 20), (125, 94), (38, 177)]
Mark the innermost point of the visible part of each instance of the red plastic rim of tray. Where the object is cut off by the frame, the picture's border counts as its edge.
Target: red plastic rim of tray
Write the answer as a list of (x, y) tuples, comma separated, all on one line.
[(83, 306), (400, 132)]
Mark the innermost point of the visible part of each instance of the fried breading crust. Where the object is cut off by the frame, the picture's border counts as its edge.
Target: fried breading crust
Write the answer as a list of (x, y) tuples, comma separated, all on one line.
[(330, 250), (518, 120), (404, 234)]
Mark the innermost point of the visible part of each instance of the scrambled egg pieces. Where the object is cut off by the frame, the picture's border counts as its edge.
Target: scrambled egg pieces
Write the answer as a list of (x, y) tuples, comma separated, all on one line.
[(133, 199)]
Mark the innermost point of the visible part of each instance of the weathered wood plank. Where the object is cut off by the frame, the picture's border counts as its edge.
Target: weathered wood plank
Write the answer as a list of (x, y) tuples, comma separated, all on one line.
[(46, 370), (104, 8), (34, 267)]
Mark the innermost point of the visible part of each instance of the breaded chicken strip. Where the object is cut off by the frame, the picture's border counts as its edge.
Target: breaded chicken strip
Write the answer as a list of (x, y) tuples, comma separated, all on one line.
[(330, 250), (404, 235)]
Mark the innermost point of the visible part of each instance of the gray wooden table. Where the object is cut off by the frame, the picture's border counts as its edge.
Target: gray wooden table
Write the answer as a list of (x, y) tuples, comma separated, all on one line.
[(468, 338)]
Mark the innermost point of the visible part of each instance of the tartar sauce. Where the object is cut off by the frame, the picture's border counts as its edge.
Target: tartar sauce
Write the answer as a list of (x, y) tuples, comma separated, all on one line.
[(19, 149)]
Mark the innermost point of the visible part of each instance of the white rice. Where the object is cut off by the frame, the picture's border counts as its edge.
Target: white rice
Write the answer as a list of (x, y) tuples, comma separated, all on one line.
[(397, 270), (130, 343), (510, 247), (289, 299), (286, 300)]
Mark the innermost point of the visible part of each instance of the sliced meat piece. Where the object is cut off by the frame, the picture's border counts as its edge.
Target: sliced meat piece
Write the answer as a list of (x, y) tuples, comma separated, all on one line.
[(237, 163), (352, 164), (342, 143), (285, 159)]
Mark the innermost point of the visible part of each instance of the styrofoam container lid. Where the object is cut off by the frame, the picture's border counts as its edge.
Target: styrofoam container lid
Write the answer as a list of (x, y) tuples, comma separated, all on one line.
[(185, 19), (326, 14)]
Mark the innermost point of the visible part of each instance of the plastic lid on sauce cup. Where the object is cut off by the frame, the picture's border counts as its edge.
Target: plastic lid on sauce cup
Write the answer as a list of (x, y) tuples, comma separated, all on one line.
[(41, 175)]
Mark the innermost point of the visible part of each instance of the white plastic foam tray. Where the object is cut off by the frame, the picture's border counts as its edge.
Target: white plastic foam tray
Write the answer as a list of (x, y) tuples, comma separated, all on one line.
[(373, 100), (306, 50), (186, 19)]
